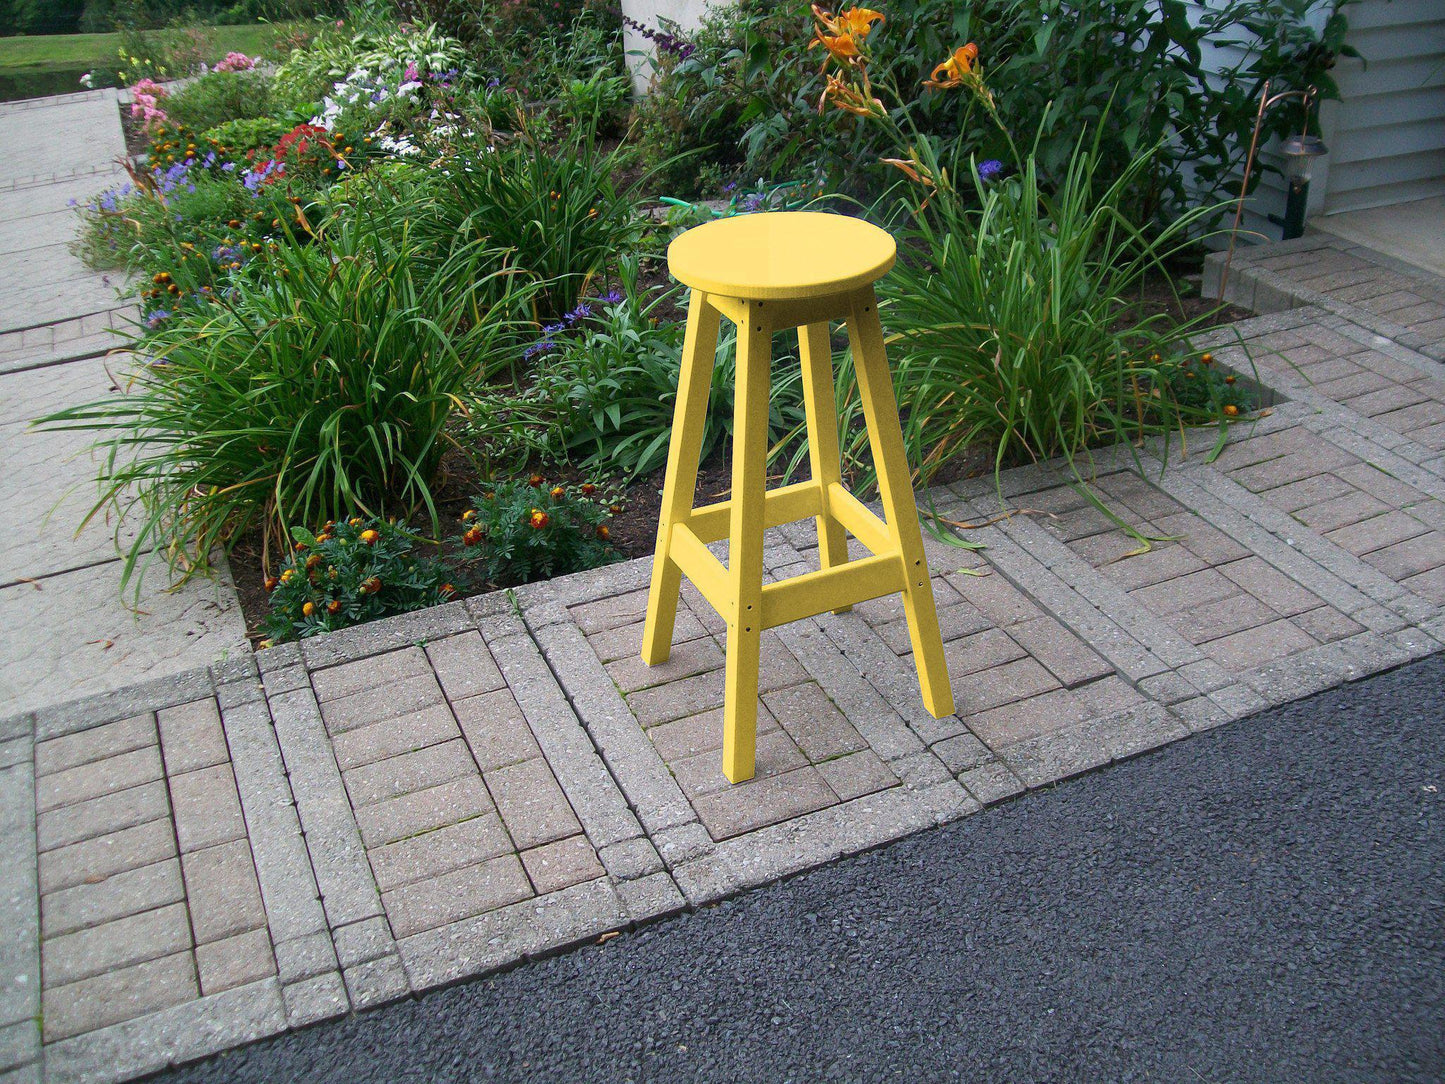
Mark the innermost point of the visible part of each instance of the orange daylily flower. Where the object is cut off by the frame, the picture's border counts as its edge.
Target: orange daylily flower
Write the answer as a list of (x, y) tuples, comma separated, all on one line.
[(841, 34), (954, 71), (849, 98)]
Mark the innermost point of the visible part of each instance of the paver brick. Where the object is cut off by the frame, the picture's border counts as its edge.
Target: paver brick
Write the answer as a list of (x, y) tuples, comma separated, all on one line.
[(1222, 617), (376, 704), (1375, 534), (1000, 685), (688, 696), (389, 668), (95, 743), (682, 738), (686, 659), (95, 859), (456, 895), (1247, 649), (1028, 718), (423, 810), (532, 805), (118, 995), (207, 807), (108, 813), (856, 774), (961, 752), (191, 736), (393, 737), (92, 903), (561, 864), (981, 651), (1271, 586), (1067, 657), (1341, 511), (439, 851), (1410, 558), (1326, 624), (1310, 491), (953, 622), (763, 801), (1429, 585), (997, 599), (234, 961), (408, 772), (222, 890), (610, 613), (814, 722), (116, 944), (701, 774), (496, 730), (1161, 564), (464, 666), (617, 643), (98, 777)]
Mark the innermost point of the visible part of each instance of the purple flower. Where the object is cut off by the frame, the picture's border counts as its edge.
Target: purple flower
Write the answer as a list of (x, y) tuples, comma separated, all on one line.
[(157, 318), (581, 312), (611, 297), (989, 170)]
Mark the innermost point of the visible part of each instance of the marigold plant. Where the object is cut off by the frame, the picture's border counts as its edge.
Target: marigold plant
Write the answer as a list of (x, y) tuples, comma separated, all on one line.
[(529, 529), (349, 572)]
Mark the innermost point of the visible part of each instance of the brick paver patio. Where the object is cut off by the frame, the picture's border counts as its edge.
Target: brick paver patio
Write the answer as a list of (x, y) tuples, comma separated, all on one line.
[(232, 851)]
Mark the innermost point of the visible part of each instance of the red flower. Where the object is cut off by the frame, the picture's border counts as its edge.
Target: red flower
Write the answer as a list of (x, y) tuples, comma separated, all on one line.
[(538, 519)]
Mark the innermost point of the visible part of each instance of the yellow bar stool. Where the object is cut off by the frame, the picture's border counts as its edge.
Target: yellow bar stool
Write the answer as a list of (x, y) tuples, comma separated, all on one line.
[(766, 273)]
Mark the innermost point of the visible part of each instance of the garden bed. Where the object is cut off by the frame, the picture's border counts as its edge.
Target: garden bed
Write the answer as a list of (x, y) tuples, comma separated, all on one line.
[(416, 265)]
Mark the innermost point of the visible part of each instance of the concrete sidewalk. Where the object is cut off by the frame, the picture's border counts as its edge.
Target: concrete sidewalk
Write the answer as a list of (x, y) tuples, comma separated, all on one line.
[(57, 324), (233, 851)]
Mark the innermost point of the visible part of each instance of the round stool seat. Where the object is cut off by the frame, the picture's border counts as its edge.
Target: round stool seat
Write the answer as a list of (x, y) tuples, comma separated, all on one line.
[(781, 255)]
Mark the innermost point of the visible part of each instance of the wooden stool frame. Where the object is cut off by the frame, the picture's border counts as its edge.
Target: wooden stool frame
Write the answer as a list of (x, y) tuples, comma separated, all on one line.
[(737, 591)]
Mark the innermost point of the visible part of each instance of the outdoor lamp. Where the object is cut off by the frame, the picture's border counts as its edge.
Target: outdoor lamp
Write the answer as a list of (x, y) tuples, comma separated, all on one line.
[(1299, 152)]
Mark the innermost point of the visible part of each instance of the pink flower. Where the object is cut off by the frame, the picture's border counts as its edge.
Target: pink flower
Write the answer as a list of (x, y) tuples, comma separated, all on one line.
[(236, 62), (411, 75), (146, 97)]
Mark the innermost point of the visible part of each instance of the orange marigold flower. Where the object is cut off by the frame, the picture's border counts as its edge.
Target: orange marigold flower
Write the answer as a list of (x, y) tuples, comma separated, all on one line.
[(308, 609), (537, 481), (334, 606), (287, 574), (370, 586), (538, 519), (270, 584), (1231, 410), (588, 489), (368, 537), (473, 536), (1205, 359), (1230, 379), (313, 561), (469, 515), (448, 589), (558, 493), (955, 71), (603, 532), (615, 509), (324, 536), (353, 521)]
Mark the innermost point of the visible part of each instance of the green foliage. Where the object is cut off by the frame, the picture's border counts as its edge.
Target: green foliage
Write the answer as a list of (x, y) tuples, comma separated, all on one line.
[(219, 97), (321, 380), (524, 531), (557, 208), (240, 136), (350, 572), (746, 98), (605, 387), (1019, 325)]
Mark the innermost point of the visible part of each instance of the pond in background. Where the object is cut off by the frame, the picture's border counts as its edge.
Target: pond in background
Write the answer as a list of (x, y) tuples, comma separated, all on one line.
[(17, 83)]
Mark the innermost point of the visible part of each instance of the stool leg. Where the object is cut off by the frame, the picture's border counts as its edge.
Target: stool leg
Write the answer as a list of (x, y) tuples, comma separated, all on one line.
[(699, 351), (745, 546), (885, 434), (821, 408)]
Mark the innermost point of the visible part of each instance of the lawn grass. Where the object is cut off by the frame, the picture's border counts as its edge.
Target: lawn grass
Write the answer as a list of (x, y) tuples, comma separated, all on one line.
[(40, 51)]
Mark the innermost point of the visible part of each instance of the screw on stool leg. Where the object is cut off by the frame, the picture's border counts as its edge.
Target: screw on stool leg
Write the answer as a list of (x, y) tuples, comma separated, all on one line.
[(821, 408), (885, 436), (699, 352), (745, 546)]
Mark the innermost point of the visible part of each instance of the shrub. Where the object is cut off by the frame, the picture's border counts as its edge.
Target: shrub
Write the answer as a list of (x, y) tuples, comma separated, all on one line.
[(322, 380), (240, 136), (746, 96), (556, 208), (352, 571), (606, 385), (219, 97), (526, 530), (1018, 325)]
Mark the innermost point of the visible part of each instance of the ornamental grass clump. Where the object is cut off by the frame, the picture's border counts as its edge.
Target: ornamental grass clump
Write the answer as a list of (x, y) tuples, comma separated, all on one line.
[(350, 572), (321, 381), (525, 530)]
